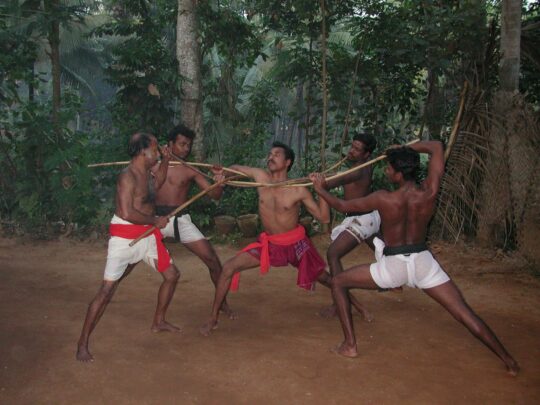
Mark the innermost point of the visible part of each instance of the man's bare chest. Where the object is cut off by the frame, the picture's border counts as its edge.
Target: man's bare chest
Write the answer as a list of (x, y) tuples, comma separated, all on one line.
[(179, 178), (279, 200)]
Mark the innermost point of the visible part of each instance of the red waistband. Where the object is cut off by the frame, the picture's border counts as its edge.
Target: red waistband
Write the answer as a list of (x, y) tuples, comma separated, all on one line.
[(283, 239), (133, 231)]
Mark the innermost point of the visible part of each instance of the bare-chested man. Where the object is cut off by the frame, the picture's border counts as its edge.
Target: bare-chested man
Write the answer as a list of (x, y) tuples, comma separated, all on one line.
[(174, 192), (135, 189), (284, 240), (403, 257), (357, 226)]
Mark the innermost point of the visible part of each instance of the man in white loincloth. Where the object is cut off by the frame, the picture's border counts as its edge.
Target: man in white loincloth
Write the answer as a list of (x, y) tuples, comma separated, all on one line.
[(134, 215), (357, 227), (174, 192), (403, 257)]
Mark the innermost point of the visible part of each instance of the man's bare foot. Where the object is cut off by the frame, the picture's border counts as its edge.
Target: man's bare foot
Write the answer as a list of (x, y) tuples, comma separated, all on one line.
[(208, 327), (328, 312), (229, 313), (513, 368), (345, 350), (165, 326), (83, 354)]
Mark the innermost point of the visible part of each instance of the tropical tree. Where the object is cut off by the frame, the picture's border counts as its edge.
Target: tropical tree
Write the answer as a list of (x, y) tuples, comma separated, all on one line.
[(189, 67)]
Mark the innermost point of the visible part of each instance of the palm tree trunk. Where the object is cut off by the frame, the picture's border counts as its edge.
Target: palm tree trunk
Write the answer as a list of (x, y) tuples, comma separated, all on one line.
[(189, 66), (497, 218), (510, 43)]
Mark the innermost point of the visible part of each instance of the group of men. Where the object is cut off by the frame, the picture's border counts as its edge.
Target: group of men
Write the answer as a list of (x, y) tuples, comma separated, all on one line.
[(393, 223)]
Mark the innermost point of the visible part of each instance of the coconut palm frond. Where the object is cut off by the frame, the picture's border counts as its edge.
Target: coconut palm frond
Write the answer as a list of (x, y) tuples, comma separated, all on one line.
[(458, 205), (71, 77)]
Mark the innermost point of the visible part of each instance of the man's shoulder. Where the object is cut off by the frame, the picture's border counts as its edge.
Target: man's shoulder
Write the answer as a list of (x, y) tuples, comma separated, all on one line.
[(260, 175), (181, 171), (126, 173)]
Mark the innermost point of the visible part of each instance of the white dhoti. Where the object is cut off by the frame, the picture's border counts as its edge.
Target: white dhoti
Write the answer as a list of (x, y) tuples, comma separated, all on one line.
[(361, 227), (187, 230), (417, 270), (120, 254)]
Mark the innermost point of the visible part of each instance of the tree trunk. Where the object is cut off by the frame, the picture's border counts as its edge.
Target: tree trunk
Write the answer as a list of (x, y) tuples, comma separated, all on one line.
[(51, 7), (300, 107), (324, 89), (497, 219), (510, 43), (308, 111), (189, 66)]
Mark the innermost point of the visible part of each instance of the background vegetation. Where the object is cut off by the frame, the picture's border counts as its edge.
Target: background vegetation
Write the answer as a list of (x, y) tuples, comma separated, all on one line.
[(78, 77)]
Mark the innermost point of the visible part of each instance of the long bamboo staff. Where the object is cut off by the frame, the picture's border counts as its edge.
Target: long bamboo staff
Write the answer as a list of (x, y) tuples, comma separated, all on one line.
[(179, 159), (457, 122), (289, 182), (183, 206), (124, 163), (286, 183), (336, 176)]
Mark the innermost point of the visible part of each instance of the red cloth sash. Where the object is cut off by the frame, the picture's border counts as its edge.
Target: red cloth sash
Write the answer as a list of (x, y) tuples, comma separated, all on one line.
[(132, 231), (283, 239)]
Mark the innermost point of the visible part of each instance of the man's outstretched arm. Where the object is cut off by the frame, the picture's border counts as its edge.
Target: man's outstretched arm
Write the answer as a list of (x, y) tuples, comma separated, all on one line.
[(320, 210), (203, 184), (253, 172), (367, 203)]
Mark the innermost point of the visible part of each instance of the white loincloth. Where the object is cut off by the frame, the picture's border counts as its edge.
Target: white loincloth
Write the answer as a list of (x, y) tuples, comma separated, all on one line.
[(120, 254), (187, 230), (417, 270), (361, 227)]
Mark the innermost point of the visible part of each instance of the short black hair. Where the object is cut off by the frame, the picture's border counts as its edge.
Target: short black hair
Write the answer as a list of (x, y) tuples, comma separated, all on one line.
[(138, 142), (367, 139), (404, 160), (180, 129), (289, 153)]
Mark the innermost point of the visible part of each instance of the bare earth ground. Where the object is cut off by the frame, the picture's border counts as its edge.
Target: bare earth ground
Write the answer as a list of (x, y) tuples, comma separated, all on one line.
[(276, 353)]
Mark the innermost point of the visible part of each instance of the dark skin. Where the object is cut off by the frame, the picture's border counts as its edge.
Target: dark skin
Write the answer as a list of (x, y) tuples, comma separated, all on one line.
[(405, 214), (174, 192), (135, 203), (279, 209), (356, 184)]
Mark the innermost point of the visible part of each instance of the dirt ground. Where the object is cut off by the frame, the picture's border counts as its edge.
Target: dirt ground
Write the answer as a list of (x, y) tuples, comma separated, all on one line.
[(276, 353)]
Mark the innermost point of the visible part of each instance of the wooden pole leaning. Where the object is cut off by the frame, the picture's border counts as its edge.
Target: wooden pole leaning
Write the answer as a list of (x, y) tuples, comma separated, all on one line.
[(457, 122), (183, 206)]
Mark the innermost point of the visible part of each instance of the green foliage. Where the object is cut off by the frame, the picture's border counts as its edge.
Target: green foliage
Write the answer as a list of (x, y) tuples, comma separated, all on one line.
[(239, 201), (261, 70), (57, 184), (144, 58), (17, 54)]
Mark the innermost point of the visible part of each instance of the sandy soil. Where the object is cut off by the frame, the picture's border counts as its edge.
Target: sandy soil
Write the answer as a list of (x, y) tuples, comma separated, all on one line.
[(276, 353)]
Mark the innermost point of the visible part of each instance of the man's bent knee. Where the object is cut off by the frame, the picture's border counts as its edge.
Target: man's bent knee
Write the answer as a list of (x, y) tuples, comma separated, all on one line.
[(107, 289), (228, 271), (212, 262), (337, 282), (171, 274)]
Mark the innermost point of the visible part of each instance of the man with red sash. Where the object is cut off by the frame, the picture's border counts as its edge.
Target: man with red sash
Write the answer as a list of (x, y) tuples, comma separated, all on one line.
[(135, 190), (284, 240)]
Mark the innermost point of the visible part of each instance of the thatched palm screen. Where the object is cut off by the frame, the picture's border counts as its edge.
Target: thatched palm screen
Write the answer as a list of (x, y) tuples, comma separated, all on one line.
[(491, 187)]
